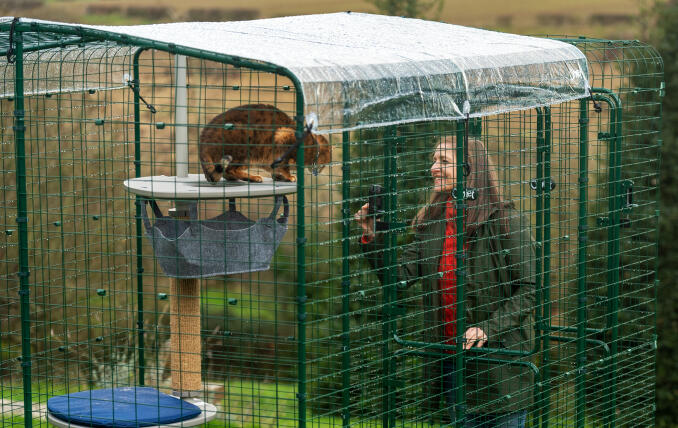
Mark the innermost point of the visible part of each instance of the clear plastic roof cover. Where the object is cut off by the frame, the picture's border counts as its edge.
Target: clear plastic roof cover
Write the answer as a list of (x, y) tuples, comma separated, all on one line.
[(362, 70)]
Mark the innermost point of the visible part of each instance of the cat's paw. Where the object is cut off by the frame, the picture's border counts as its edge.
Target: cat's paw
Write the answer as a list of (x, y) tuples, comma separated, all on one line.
[(256, 178), (280, 177)]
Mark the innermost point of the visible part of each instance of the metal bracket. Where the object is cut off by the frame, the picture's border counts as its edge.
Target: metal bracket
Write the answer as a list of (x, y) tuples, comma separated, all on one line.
[(546, 184), (469, 194)]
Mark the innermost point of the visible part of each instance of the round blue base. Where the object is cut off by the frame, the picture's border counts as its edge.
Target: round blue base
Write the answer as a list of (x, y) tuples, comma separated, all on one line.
[(130, 407)]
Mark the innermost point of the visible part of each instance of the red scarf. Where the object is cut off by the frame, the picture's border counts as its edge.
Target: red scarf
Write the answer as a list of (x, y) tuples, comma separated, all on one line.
[(448, 281)]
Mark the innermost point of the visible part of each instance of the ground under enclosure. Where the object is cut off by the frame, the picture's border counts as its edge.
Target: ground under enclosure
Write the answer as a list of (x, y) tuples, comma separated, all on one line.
[(330, 334)]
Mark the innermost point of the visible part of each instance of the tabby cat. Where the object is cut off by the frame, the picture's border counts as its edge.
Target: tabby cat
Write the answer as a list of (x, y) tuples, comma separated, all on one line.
[(256, 134)]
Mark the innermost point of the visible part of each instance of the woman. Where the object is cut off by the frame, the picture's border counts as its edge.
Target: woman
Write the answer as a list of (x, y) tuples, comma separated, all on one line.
[(499, 287)]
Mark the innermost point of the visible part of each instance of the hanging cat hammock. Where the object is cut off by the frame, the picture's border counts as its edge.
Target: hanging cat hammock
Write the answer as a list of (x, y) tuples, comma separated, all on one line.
[(227, 244)]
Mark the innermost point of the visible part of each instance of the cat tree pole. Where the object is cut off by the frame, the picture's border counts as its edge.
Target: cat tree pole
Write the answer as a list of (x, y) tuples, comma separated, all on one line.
[(186, 361)]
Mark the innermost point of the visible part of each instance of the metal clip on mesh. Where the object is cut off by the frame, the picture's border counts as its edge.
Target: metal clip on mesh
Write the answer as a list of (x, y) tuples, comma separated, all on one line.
[(469, 194), (546, 183), (596, 104)]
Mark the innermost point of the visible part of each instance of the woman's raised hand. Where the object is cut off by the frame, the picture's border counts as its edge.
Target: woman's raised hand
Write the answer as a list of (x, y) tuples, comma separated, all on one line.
[(361, 217), (474, 336)]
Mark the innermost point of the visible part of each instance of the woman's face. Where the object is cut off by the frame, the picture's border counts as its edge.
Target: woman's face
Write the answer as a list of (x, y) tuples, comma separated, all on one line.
[(444, 168)]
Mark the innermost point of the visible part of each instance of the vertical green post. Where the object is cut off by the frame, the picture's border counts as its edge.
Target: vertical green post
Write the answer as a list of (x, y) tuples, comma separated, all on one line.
[(139, 231), (545, 185), (613, 236), (22, 222), (345, 281), (581, 264), (391, 219), (613, 289), (544, 395), (301, 263), (461, 277), (389, 283)]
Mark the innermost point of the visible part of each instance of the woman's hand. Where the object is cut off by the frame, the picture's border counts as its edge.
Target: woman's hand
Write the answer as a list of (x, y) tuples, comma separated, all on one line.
[(474, 336), (361, 217)]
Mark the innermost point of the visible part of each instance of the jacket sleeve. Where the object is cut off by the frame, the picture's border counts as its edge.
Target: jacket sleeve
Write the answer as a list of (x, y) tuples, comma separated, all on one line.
[(516, 309), (409, 269)]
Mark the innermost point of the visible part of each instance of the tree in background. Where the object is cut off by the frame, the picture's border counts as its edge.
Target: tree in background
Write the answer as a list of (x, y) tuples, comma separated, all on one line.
[(409, 8), (665, 39)]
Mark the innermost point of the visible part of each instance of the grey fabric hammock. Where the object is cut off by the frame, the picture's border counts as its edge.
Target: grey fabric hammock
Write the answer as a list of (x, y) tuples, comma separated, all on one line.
[(227, 244)]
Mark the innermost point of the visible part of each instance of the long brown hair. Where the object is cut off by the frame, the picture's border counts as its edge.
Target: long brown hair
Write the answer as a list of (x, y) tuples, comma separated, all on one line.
[(483, 177)]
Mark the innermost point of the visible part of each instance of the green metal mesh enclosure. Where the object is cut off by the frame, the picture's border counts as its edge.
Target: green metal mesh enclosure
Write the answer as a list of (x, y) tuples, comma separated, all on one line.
[(332, 334)]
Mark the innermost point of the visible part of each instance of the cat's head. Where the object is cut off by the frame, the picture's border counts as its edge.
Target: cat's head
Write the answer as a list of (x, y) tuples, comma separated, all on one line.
[(318, 152)]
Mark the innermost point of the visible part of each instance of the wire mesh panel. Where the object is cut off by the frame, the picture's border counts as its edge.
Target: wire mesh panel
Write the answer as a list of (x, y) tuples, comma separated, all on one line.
[(80, 235), (172, 219)]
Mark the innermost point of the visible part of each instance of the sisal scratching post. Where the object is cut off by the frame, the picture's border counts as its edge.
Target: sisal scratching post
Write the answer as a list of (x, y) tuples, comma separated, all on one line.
[(185, 337), (185, 293)]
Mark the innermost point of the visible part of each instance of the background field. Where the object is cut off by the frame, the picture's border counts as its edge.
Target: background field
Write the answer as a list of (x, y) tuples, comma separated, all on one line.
[(603, 18)]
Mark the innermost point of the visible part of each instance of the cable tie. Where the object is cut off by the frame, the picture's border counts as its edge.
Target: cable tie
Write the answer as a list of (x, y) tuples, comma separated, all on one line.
[(134, 86)]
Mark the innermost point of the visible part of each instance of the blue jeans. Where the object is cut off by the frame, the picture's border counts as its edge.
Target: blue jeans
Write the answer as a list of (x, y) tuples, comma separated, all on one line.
[(478, 420)]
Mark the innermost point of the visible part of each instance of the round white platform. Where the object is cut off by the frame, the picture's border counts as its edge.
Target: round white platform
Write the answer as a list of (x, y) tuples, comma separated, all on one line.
[(208, 413), (195, 186)]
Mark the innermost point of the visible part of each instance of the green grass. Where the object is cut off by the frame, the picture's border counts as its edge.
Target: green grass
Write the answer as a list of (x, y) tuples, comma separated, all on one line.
[(239, 305)]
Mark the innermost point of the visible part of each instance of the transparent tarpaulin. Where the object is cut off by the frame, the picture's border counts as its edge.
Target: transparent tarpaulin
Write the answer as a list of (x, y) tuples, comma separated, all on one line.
[(362, 70)]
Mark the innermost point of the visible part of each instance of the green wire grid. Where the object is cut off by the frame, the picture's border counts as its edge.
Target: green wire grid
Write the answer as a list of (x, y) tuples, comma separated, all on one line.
[(323, 338)]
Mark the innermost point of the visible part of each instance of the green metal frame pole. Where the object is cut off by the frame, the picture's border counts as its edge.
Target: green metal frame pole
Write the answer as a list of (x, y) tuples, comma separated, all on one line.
[(581, 264), (389, 283), (614, 292), (392, 239), (545, 185), (301, 262), (345, 281), (139, 202), (22, 222), (460, 396), (544, 395), (613, 236)]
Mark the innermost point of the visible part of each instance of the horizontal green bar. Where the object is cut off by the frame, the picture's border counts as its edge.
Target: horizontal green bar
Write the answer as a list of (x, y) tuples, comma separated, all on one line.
[(574, 339), (442, 347), (100, 35), (406, 352), (51, 45), (574, 330)]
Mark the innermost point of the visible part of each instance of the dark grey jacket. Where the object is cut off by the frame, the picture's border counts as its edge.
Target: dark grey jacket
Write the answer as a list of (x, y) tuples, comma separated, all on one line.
[(499, 298)]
